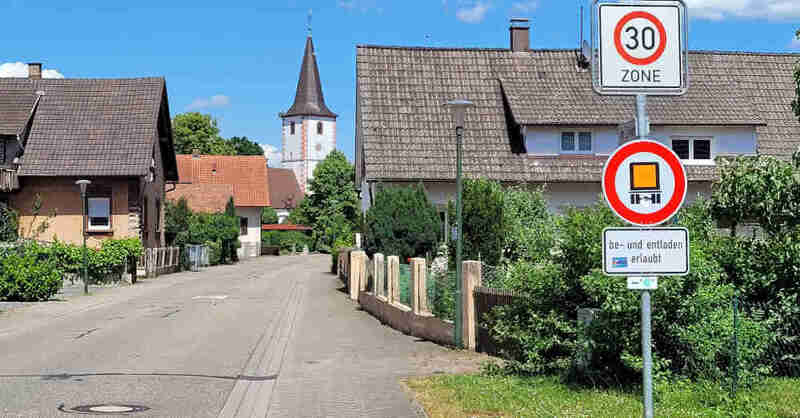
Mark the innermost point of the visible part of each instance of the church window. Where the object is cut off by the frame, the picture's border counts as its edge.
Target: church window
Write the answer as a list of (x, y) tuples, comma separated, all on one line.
[(319, 128)]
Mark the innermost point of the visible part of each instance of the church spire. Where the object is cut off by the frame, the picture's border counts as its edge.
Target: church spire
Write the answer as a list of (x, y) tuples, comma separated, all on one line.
[(308, 101)]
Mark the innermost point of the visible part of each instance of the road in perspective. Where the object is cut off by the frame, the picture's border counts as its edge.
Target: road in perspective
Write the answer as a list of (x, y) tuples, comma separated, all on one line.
[(270, 337)]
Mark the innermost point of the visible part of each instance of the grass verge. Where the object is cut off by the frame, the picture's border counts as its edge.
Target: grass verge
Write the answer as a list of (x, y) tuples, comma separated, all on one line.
[(504, 396)]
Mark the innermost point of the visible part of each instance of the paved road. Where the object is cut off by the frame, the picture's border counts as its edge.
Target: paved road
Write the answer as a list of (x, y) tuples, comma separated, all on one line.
[(271, 337)]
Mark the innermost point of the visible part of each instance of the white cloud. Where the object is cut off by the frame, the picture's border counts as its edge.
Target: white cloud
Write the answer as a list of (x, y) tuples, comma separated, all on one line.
[(723, 9), (474, 14), (20, 69), (218, 100), (273, 155), (524, 6)]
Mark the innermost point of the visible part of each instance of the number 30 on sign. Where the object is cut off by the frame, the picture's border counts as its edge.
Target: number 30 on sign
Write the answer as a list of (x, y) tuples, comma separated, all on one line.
[(640, 47)]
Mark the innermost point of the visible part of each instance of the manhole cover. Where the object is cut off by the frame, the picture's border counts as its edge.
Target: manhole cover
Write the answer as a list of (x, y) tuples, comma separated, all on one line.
[(106, 409)]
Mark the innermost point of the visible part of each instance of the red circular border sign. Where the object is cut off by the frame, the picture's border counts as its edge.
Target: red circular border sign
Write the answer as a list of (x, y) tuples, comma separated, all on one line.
[(610, 187), (618, 40)]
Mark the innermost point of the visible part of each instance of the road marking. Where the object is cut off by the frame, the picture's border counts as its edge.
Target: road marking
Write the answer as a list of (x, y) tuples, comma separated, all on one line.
[(211, 297)]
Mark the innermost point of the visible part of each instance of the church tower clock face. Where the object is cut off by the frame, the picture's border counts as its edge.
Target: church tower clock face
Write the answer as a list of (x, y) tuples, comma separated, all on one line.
[(309, 126)]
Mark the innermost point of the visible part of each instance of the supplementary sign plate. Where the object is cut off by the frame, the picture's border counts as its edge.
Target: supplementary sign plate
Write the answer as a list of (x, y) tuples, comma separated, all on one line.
[(640, 47), (642, 283), (646, 251)]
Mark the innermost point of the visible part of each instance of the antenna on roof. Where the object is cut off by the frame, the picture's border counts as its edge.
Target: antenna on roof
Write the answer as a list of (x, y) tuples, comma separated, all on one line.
[(309, 22), (584, 51)]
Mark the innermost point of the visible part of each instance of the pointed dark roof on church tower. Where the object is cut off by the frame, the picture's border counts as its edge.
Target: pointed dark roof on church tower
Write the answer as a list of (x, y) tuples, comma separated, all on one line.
[(308, 101)]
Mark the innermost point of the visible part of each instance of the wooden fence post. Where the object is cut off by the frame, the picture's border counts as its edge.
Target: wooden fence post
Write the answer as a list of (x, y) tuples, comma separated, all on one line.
[(471, 278), (379, 274), (419, 289), (392, 275)]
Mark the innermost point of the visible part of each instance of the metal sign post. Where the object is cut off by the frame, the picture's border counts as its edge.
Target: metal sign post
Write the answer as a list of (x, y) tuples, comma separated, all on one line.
[(640, 47)]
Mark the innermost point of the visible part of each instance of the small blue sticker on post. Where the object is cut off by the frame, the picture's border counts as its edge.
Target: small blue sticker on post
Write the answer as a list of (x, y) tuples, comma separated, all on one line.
[(619, 262)]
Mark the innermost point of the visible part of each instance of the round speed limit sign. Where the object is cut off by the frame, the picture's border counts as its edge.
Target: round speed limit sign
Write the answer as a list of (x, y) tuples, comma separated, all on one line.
[(641, 47)]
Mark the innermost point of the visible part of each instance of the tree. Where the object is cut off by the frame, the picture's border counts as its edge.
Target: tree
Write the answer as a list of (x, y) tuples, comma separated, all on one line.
[(244, 146), (230, 245), (177, 218), (402, 222), (196, 131), (269, 216), (8, 223), (332, 207), (482, 213)]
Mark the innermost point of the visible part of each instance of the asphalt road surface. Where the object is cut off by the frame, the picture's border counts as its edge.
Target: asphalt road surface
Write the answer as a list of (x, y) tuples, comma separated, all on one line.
[(269, 337)]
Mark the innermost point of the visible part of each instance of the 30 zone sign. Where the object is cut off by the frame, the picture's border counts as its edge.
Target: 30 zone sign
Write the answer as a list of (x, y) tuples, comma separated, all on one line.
[(640, 47)]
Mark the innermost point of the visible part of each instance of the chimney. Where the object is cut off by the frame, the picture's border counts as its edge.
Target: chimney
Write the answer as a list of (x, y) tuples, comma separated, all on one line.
[(35, 70), (520, 35)]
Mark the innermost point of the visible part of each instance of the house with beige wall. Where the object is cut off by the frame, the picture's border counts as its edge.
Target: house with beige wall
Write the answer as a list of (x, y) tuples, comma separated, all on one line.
[(537, 120), (114, 132), (207, 182)]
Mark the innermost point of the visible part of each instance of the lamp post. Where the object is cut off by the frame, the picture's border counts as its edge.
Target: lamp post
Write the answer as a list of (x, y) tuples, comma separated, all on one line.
[(458, 109), (83, 184)]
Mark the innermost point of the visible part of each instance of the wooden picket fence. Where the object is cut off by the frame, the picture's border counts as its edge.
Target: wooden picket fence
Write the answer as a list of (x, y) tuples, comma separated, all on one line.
[(158, 261), (485, 299)]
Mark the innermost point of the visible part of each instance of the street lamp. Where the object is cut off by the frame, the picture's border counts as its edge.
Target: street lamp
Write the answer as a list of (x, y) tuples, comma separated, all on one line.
[(83, 184), (458, 108)]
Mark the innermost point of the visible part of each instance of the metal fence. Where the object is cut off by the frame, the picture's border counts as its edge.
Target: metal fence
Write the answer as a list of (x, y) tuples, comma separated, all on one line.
[(158, 261)]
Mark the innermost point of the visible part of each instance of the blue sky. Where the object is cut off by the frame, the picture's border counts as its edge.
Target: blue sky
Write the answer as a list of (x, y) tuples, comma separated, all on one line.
[(239, 60)]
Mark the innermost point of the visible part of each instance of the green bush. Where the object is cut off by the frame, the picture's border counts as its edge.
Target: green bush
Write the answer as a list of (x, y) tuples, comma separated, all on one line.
[(110, 259), (286, 240), (340, 244), (9, 224), (26, 276), (401, 222), (580, 247), (269, 216), (529, 227), (482, 214)]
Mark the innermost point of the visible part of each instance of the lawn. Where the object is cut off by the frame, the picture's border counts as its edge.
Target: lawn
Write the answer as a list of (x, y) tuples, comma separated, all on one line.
[(485, 396)]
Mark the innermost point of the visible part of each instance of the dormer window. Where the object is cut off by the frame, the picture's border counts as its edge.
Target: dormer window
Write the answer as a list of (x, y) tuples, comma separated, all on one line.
[(576, 142), (291, 128), (692, 149), (319, 128)]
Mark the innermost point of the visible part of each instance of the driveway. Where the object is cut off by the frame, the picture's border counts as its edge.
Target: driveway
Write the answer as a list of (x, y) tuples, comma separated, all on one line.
[(270, 337)]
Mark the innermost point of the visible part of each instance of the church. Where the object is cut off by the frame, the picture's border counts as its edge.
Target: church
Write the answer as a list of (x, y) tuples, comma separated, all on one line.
[(308, 127)]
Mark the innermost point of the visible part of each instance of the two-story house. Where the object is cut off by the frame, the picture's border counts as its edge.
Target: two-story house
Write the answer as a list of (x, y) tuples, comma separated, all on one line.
[(537, 120), (114, 132)]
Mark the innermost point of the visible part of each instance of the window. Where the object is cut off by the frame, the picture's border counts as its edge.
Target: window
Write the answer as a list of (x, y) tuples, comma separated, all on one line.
[(158, 215), (692, 148), (99, 209), (583, 145), (319, 128), (291, 128), (242, 225)]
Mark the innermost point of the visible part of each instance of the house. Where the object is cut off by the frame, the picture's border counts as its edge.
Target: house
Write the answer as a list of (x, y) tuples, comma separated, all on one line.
[(284, 192), (537, 120), (209, 181), (114, 132)]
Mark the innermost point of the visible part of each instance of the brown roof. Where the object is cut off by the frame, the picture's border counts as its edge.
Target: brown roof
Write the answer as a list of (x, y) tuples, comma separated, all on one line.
[(246, 174), (308, 100), (284, 191), (403, 132), (208, 198), (88, 127)]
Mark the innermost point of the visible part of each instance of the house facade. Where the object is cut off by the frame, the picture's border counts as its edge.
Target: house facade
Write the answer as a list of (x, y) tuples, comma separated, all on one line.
[(114, 132), (209, 181), (538, 121)]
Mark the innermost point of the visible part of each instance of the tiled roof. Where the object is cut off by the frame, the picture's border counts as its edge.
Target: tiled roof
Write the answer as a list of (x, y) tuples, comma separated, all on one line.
[(207, 198), (86, 127), (284, 191), (308, 100), (405, 133), (247, 175)]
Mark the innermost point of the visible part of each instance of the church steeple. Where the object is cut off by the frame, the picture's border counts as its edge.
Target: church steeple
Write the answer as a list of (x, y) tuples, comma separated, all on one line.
[(308, 100)]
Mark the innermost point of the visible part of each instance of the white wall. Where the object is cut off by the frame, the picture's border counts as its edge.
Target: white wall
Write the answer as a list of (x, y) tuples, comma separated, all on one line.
[(737, 140), (251, 243), (283, 215)]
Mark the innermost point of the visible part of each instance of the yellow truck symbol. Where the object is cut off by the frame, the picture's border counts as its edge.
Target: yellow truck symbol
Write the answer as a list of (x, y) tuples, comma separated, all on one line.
[(645, 183)]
